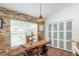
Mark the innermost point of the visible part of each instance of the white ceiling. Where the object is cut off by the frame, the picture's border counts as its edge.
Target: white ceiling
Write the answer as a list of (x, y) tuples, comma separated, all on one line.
[(33, 9)]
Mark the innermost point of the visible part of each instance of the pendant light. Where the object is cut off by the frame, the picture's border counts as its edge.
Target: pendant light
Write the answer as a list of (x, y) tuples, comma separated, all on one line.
[(40, 18)]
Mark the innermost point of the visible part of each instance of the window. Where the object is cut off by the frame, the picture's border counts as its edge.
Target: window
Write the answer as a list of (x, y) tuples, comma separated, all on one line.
[(61, 26), (50, 34), (20, 30), (50, 27), (55, 31), (55, 27), (68, 35), (61, 34), (55, 43), (69, 45), (50, 30), (69, 25), (55, 35), (61, 44)]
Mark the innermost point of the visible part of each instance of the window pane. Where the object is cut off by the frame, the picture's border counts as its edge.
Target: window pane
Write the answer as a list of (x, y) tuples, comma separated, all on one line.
[(61, 35), (50, 26), (61, 43), (50, 35), (17, 39), (55, 43), (50, 41), (61, 26), (69, 25), (55, 27), (69, 45), (55, 35), (68, 35)]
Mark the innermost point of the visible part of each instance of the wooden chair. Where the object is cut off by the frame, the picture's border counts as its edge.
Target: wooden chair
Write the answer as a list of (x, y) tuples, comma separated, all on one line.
[(44, 50)]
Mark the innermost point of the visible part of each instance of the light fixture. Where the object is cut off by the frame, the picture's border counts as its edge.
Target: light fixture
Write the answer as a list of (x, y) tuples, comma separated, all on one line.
[(40, 18)]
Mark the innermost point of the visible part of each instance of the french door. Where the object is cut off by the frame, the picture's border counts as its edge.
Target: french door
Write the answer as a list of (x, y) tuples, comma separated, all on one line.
[(60, 34)]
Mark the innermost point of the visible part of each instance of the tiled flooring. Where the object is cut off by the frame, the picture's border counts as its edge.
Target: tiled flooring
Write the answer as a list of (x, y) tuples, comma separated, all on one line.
[(58, 52)]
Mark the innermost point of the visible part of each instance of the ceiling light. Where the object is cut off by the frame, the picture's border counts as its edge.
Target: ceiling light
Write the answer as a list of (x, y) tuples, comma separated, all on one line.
[(40, 19)]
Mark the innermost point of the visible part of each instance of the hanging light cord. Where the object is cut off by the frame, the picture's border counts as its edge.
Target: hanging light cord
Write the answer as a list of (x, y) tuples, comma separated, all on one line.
[(40, 8)]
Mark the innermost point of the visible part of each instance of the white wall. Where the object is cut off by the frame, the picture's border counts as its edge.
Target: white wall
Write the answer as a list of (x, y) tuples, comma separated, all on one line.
[(70, 12)]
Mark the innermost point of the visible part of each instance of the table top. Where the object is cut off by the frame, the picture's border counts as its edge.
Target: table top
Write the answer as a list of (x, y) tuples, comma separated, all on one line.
[(36, 44), (27, 47)]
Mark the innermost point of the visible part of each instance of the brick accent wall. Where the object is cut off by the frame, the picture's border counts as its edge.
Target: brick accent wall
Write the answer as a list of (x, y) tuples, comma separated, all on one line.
[(7, 14)]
